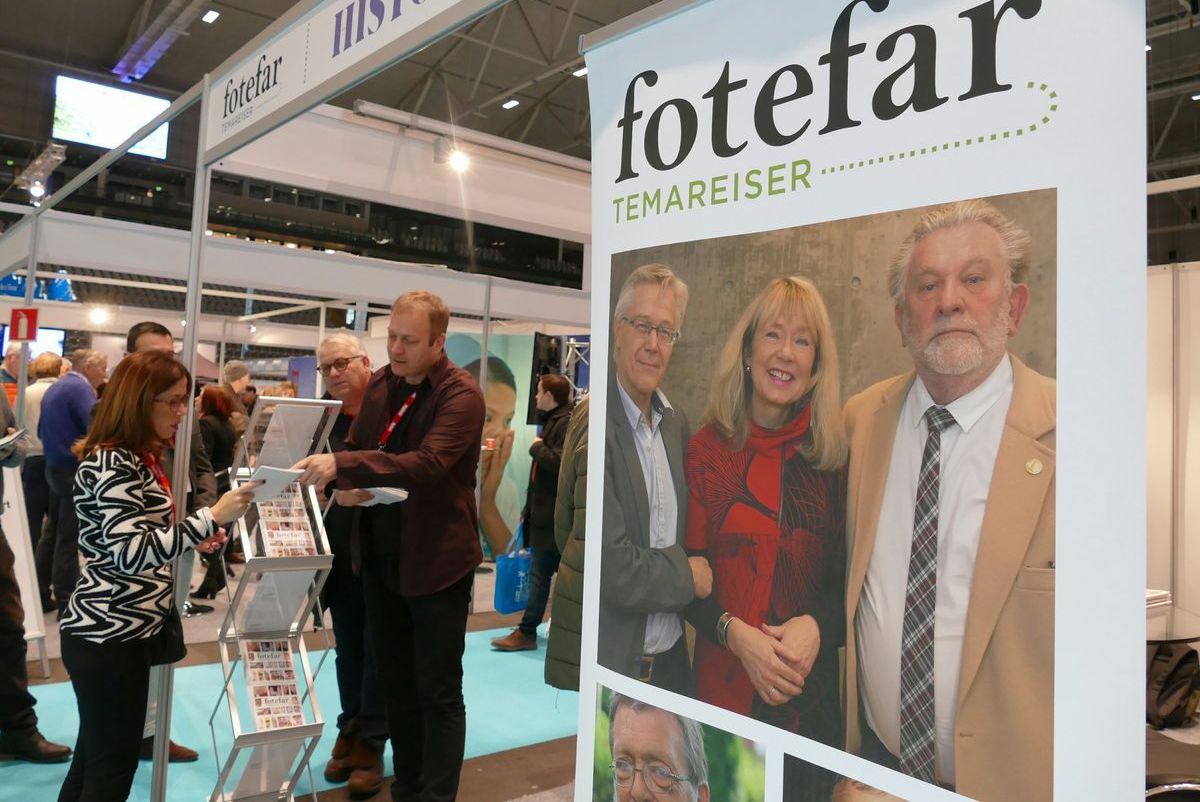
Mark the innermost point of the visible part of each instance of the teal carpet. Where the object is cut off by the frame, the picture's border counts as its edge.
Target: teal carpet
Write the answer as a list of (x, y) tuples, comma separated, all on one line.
[(508, 706)]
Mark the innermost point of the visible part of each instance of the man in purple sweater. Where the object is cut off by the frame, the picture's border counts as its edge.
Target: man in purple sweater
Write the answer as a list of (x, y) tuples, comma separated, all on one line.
[(66, 412)]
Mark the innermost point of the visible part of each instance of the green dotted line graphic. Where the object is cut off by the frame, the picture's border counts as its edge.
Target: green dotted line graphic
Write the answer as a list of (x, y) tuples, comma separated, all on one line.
[(928, 150)]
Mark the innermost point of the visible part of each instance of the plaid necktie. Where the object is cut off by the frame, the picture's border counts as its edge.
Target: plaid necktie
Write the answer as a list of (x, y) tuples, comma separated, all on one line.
[(917, 730)]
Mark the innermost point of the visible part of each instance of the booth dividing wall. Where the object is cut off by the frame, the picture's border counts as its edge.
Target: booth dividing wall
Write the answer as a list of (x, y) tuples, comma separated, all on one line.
[(1160, 428), (1173, 433)]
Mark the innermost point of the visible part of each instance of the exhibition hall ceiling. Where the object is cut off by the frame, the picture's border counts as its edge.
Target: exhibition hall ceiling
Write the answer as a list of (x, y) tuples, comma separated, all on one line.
[(1173, 126), (524, 50)]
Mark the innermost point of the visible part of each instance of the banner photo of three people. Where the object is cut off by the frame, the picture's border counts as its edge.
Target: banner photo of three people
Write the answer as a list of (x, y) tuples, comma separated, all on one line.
[(849, 262)]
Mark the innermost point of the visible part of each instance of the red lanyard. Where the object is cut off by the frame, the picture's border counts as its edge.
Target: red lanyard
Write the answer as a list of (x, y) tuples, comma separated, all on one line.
[(391, 427), (160, 476)]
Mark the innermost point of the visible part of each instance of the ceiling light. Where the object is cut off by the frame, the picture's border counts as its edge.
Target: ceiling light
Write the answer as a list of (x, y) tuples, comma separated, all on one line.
[(1196, 97), (459, 161), (253, 328), (291, 244), (1147, 47), (579, 73), (36, 174), (329, 250), (210, 16), (511, 103), (99, 315), (208, 233), (267, 199), (183, 323)]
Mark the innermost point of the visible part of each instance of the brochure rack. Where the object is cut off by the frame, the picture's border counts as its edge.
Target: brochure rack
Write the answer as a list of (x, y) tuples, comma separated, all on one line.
[(268, 681)]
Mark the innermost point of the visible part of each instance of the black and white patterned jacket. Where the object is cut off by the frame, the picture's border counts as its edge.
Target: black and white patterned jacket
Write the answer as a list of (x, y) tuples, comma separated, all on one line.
[(128, 542)]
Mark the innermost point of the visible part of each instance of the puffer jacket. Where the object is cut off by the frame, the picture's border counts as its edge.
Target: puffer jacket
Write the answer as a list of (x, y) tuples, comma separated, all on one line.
[(566, 621)]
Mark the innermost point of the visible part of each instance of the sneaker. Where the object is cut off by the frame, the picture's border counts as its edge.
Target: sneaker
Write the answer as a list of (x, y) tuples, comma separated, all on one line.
[(515, 641)]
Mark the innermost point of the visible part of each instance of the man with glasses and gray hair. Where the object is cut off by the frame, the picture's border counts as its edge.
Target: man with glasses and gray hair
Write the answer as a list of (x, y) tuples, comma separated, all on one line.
[(357, 754), (646, 578), (657, 755)]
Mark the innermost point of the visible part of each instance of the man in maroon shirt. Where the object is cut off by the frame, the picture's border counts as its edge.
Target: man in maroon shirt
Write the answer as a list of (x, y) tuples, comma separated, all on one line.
[(419, 429)]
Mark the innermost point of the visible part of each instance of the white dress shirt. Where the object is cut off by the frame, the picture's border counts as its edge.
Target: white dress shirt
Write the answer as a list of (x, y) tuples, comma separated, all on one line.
[(662, 629), (969, 448)]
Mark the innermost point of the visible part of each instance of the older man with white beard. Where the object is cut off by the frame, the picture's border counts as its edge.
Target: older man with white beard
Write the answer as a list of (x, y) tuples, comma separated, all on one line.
[(950, 595)]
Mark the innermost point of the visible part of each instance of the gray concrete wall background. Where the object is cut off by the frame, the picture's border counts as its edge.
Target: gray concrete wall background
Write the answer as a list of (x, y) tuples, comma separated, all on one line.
[(847, 260)]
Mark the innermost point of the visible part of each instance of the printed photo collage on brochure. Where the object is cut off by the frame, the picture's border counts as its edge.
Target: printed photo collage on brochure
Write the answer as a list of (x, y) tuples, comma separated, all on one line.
[(285, 527), (271, 684)]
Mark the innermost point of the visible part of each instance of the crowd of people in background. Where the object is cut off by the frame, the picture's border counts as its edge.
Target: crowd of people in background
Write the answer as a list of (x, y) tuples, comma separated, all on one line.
[(97, 465)]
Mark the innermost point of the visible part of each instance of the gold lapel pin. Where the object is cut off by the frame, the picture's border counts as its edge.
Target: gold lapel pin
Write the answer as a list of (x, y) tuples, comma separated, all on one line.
[(1033, 467)]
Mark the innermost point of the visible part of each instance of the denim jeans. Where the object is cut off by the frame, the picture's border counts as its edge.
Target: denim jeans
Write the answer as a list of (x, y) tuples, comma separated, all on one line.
[(541, 570)]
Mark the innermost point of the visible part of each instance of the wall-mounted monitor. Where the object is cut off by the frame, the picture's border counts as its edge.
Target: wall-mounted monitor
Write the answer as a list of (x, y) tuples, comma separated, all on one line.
[(48, 339), (104, 116)]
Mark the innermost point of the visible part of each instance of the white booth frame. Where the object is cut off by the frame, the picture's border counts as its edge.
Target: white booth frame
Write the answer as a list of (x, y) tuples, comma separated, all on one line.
[(43, 236)]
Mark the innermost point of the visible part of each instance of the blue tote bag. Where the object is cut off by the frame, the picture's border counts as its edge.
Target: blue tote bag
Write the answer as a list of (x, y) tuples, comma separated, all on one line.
[(512, 576)]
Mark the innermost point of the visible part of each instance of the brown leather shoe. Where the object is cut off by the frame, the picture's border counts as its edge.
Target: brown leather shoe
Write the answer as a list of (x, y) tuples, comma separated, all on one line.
[(337, 770), (515, 641), (181, 754), (32, 746), (366, 779), (175, 752)]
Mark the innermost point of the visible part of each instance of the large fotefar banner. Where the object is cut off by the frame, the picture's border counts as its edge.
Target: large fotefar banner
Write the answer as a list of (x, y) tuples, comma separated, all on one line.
[(854, 262)]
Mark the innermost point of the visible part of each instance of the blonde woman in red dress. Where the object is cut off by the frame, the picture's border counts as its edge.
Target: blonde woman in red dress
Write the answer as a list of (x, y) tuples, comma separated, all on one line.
[(767, 484)]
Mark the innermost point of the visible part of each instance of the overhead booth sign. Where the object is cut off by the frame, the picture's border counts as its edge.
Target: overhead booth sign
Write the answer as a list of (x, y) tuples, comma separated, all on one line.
[(854, 261), (326, 50)]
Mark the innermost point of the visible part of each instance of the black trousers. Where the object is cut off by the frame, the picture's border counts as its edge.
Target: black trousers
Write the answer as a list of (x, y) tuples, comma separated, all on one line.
[(16, 704), (37, 496), (541, 571), (419, 644), (61, 551), (357, 673), (111, 681)]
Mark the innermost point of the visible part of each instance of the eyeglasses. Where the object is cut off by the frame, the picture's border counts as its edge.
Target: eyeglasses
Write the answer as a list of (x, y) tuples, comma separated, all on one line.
[(173, 403), (339, 365), (658, 777), (666, 334)]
